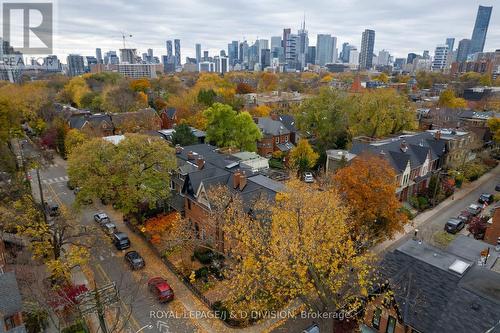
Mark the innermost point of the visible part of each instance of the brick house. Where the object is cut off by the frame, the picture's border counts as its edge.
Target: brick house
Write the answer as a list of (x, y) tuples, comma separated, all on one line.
[(492, 235), (414, 158), (199, 168), (275, 136), (426, 289), (11, 318), (168, 118)]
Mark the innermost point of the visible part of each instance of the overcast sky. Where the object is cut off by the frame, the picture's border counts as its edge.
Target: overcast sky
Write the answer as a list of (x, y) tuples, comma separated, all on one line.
[(401, 26)]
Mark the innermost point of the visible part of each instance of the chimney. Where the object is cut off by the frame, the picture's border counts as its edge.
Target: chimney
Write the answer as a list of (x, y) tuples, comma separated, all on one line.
[(437, 135), (178, 149), (236, 179), (403, 146), (200, 162), (190, 155), (243, 180)]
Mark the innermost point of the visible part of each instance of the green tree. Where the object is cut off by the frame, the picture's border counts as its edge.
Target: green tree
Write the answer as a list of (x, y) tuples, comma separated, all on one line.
[(73, 139), (75, 90), (183, 135), (245, 132), (132, 174), (494, 126), (206, 97), (303, 157)]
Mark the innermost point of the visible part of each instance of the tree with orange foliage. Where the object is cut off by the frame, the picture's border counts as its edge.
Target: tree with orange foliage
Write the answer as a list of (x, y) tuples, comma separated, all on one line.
[(244, 88), (158, 225), (368, 186), (268, 82), (140, 85), (260, 111)]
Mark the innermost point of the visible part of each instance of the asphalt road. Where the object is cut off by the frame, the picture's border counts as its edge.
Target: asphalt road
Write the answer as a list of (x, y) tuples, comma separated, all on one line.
[(140, 310)]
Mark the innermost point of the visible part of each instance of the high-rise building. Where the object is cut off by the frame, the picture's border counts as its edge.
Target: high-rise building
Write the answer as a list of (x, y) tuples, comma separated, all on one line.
[(367, 45), (426, 54), (480, 29), (291, 52), (128, 56), (265, 58), (334, 48), (450, 42), (463, 49), (232, 52), (353, 55), (177, 49), (275, 42), (324, 49), (410, 58), (344, 54), (150, 54), (440, 58), (205, 55), (169, 48), (286, 33), (75, 65), (243, 54), (383, 58), (110, 58), (302, 46), (198, 53), (399, 63), (98, 55), (311, 55)]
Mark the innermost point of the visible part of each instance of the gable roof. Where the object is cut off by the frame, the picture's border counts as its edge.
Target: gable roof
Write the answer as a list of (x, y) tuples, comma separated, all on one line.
[(431, 298), (272, 127), (10, 298), (288, 121), (170, 112), (95, 120)]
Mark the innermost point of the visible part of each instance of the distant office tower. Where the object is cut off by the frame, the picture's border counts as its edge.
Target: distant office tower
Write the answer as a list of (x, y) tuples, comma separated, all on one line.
[(463, 49), (383, 58), (169, 48), (440, 58), (150, 54), (177, 49), (344, 54), (232, 52), (367, 45), (243, 53), (286, 34), (410, 58), (353, 56), (399, 63), (198, 53), (334, 48), (98, 55), (128, 56), (480, 29), (291, 52), (275, 42), (450, 42), (324, 49), (75, 65), (426, 55), (303, 44), (205, 55), (265, 58), (110, 58), (311, 55), (168, 64)]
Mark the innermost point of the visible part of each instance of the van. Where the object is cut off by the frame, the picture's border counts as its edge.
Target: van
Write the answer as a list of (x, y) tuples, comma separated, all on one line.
[(121, 241)]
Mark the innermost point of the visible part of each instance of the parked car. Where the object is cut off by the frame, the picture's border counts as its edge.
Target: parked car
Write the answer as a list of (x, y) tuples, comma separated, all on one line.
[(454, 225), (485, 198), (135, 260), (52, 209), (121, 241), (161, 289), (314, 328), (101, 218), (497, 188), (465, 216), (474, 209), (109, 228), (308, 177)]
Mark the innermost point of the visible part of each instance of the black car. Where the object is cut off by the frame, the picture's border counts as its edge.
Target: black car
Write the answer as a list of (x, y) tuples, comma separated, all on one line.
[(497, 188), (121, 241), (485, 198), (52, 209), (134, 259), (454, 225)]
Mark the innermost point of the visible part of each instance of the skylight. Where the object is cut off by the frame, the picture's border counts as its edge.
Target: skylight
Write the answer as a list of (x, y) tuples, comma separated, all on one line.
[(459, 267)]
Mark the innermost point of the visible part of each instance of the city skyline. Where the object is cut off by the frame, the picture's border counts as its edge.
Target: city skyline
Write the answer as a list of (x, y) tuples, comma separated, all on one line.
[(400, 28)]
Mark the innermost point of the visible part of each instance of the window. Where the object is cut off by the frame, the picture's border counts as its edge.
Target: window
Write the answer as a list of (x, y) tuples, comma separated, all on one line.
[(286, 138), (277, 139), (189, 204), (391, 325), (9, 322), (172, 185), (376, 318)]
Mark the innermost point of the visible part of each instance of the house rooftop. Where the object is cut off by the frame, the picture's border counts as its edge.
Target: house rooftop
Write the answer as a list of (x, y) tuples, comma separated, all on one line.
[(10, 298)]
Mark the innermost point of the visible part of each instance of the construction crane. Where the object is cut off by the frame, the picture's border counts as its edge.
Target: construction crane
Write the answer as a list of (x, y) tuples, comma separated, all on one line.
[(124, 35)]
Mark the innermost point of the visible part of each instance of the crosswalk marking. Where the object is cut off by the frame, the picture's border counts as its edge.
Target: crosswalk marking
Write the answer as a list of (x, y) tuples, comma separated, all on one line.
[(55, 180)]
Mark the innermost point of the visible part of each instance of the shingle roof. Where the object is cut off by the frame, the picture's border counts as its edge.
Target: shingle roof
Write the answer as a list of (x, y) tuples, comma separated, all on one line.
[(10, 298), (288, 121), (433, 299), (271, 127)]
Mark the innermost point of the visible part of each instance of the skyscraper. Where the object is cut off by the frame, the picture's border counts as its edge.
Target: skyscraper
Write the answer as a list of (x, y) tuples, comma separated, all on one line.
[(367, 45), (302, 46), (410, 58), (98, 55), (286, 33), (75, 65), (275, 42), (450, 42), (383, 57), (198, 53), (311, 55), (463, 50), (291, 52), (177, 48), (128, 56), (265, 58), (169, 48), (111, 58), (480, 29), (440, 57), (324, 49), (243, 54), (232, 51), (345, 53)]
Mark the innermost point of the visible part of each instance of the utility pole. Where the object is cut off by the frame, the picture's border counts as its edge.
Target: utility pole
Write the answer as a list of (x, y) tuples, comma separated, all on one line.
[(436, 186), (97, 301), (44, 208)]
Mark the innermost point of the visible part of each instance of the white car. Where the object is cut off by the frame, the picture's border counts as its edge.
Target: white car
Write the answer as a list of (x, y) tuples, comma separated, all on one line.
[(308, 177), (101, 218)]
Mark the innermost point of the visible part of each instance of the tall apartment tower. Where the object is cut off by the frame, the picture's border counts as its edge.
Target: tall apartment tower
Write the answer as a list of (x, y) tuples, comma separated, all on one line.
[(177, 49), (324, 49), (480, 29), (367, 45), (198, 53), (463, 50), (98, 55), (440, 58)]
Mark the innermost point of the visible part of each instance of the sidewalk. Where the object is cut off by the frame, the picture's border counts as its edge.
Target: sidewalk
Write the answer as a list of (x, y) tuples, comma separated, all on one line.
[(426, 216)]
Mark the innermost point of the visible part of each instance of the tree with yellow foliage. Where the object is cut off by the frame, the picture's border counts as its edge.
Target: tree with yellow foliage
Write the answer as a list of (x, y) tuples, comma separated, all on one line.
[(303, 157), (260, 111), (73, 139), (300, 246), (368, 186), (447, 99), (268, 82), (75, 90), (494, 126)]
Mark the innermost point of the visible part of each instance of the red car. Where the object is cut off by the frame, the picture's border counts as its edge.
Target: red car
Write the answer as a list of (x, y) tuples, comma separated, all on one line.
[(161, 289)]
